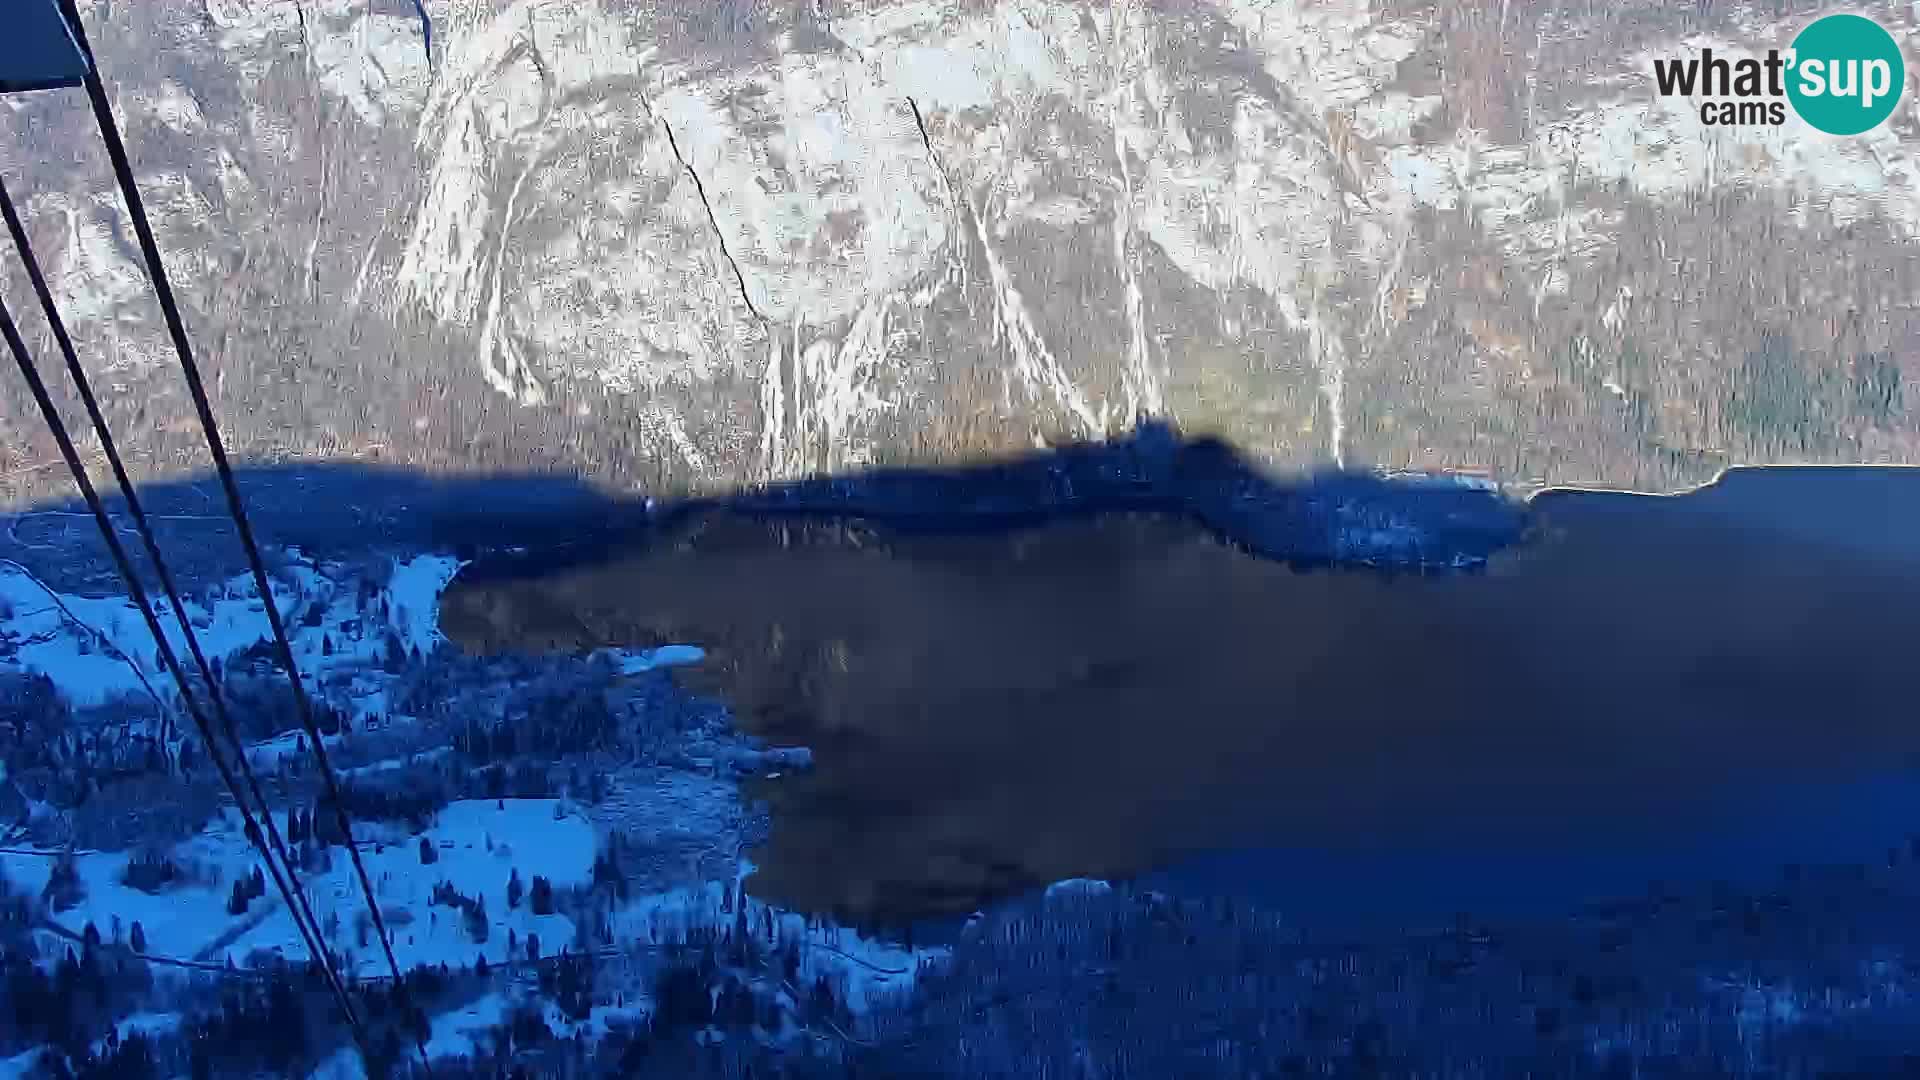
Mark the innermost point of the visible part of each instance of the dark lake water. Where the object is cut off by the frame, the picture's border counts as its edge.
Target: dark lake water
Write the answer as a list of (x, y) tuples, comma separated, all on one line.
[(1747, 839), (1640, 689)]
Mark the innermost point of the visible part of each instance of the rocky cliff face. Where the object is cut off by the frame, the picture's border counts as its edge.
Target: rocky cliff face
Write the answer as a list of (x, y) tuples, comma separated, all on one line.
[(693, 244)]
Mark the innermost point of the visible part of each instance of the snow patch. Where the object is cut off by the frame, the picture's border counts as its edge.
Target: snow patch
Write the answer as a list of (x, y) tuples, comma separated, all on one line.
[(376, 63), (478, 845), (326, 624), (453, 1032), (635, 661), (22, 1065), (863, 970), (1079, 887), (414, 598)]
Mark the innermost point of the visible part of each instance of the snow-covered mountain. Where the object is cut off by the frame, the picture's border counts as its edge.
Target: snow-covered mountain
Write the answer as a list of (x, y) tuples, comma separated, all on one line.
[(700, 243)]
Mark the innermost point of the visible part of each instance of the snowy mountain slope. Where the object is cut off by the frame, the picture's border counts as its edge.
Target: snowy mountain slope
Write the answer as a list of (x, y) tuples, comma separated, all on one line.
[(663, 244)]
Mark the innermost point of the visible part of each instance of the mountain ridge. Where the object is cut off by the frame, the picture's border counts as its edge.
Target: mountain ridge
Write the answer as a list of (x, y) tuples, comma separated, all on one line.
[(680, 248)]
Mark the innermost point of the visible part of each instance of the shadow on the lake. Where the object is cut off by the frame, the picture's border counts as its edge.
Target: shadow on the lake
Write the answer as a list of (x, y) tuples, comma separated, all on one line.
[(328, 509), (1115, 660), (1363, 700)]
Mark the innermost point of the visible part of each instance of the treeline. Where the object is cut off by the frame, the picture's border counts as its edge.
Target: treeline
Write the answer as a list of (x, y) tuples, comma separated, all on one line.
[(416, 794), (711, 1012), (282, 1023), (555, 722), (51, 757), (67, 1007), (31, 711), (719, 1006), (262, 705)]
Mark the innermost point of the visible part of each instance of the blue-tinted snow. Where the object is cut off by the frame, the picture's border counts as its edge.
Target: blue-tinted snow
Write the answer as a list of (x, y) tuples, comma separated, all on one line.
[(413, 596), (635, 661), (454, 1032), (479, 843), (228, 621)]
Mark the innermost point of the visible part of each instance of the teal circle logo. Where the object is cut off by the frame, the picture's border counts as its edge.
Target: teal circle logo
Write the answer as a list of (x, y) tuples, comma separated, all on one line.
[(1846, 74)]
